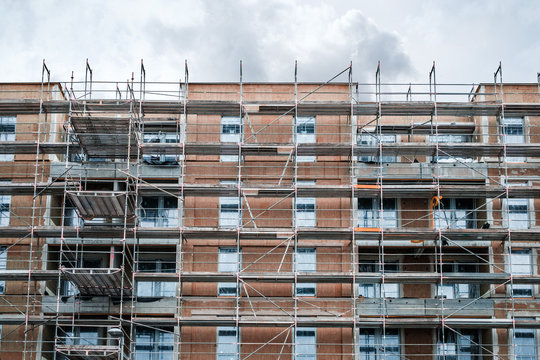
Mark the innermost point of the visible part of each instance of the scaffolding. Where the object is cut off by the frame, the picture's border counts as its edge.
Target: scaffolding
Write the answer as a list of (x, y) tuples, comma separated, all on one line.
[(289, 220)]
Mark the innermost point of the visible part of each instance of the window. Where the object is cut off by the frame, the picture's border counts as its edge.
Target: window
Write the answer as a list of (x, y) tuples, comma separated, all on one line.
[(371, 139), (306, 261), (458, 291), (459, 344), (71, 217), (7, 133), (229, 209), (152, 344), (450, 138), (374, 290), (5, 205), (374, 345), (521, 264), (305, 212), (513, 133), (231, 131), (306, 344), (164, 138), (3, 266), (518, 213), (229, 260), (305, 134), (80, 336), (305, 208), (454, 214), (159, 211), (156, 288), (228, 343), (525, 344), (369, 210)]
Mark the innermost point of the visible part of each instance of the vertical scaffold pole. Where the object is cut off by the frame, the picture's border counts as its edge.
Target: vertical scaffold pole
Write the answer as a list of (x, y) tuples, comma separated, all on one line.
[(35, 214), (295, 208), (353, 223)]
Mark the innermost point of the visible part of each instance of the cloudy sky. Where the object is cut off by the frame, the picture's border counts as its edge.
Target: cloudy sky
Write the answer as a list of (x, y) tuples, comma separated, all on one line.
[(465, 38)]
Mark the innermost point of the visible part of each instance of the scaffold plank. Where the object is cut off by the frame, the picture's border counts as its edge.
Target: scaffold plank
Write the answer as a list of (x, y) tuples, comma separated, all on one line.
[(305, 108)]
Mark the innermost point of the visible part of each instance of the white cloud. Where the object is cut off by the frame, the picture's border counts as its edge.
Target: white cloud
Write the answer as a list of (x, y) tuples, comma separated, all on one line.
[(213, 35), (467, 41)]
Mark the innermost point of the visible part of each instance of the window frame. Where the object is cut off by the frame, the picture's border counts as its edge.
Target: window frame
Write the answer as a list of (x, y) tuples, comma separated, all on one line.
[(511, 122), (306, 220), (228, 355), (372, 139), (377, 348), (306, 267), (373, 221), (364, 289), (305, 350), (3, 266), (470, 223), (229, 221), (163, 214), (473, 289), (161, 137), (229, 288), (231, 137), (157, 288), (156, 344), (457, 347), (8, 134), (533, 346), (530, 256), (5, 210), (451, 139), (305, 137)]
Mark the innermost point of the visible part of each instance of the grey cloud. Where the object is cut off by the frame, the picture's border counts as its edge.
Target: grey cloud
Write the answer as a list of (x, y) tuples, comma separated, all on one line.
[(213, 35)]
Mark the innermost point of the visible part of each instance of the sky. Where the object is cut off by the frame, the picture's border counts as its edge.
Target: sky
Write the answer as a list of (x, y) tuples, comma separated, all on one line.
[(465, 38)]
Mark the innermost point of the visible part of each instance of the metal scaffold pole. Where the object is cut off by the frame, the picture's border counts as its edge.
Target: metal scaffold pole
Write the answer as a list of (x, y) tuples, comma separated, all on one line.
[(353, 126), (42, 118)]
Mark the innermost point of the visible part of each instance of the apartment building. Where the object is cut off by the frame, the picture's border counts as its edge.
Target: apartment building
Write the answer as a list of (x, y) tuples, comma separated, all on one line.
[(295, 220)]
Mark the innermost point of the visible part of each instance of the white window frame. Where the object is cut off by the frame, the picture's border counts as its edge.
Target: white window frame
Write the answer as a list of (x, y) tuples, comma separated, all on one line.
[(372, 139), (305, 217), (6, 134), (160, 344), (375, 290), (517, 218), (306, 262), (229, 219), (518, 347), (71, 216), (305, 344), (369, 217), (228, 345), (230, 137), (229, 261), (454, 350), (373, 345), (81, 336), (458, 291), (513, 122), (450, 217), (156, 288), (5, 209), (302, 137), (161, 138), (3, 266), (522, 263), (451, 139), (163, 217)]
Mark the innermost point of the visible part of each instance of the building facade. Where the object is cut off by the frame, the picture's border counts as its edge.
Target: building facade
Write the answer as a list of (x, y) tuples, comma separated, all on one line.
[(268, 221)]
